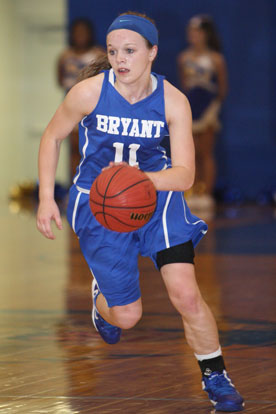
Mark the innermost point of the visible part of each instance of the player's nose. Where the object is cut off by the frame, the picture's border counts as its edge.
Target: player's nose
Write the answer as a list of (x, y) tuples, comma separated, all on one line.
[(120, 57)]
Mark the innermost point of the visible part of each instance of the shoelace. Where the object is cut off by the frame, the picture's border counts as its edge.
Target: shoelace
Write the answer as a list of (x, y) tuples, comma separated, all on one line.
[(219, 381)]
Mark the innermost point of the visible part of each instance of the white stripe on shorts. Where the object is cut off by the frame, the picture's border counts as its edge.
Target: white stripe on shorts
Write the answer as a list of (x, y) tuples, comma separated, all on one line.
[(186, 219), (83, 149), (82, 190), (75, 212), (164, 220)]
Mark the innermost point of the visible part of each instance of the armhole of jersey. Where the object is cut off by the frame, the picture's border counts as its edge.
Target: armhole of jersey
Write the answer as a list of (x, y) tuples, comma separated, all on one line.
[(103, 89), (154, 81), (111, 77), (161, 80)]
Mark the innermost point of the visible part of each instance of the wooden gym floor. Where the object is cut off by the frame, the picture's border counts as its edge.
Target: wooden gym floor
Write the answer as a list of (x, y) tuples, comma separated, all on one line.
[(53, 361)]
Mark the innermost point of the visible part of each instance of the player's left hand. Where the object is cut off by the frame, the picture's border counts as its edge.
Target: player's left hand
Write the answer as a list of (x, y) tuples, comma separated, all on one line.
[(48, 211)]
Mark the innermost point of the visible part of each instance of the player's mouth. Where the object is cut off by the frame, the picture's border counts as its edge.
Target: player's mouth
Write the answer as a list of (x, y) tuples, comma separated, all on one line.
[(123, 71)]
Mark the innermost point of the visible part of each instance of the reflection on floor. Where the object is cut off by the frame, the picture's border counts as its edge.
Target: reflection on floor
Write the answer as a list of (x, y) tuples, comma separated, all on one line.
[(52, 360)]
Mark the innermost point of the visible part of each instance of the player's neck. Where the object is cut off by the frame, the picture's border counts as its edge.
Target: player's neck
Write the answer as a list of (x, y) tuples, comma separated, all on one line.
[(135, 91)]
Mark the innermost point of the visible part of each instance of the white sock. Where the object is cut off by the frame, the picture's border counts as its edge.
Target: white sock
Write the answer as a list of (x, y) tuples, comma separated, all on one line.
[(209, 356)]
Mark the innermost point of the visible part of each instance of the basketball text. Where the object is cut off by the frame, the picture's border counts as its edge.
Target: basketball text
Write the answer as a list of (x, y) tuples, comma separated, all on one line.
[(141, 216), (141, 128)]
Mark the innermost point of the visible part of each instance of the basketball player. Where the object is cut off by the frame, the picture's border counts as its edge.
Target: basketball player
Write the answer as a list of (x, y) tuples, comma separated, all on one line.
[(123, 115)]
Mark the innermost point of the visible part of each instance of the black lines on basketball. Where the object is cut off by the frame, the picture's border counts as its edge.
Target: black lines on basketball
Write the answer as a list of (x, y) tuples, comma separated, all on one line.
[(122, 198), (127, 188), (108, 184)]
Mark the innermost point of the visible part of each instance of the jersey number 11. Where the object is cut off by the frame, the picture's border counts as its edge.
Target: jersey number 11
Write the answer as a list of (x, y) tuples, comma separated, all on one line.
[(133, 148)]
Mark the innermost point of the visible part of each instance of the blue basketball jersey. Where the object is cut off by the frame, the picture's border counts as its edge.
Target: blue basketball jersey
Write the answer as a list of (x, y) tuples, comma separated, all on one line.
[(117, 130)]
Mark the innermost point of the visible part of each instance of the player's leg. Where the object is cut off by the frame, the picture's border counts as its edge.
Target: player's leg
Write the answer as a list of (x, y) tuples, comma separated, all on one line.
[(113, 260), (110, 320), (200, 329), (124, 316), (172, 222), (115, 287), (199, 323)]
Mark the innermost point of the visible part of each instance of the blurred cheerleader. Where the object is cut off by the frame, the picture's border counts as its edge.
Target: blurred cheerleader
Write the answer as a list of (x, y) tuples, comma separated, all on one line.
[(203, 78)]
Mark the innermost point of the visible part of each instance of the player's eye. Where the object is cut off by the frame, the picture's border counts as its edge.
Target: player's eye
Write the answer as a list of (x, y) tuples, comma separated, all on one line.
[(130, 51), (111, 52)]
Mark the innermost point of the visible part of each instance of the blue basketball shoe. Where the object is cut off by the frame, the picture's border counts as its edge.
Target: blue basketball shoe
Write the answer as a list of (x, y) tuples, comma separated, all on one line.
[(110, 334), (222, 393)]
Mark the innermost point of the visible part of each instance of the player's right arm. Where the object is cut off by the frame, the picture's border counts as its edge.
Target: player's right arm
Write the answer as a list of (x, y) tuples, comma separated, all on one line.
[(80, 101)]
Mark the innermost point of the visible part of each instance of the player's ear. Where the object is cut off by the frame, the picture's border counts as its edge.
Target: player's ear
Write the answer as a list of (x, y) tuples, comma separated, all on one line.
[(153, 52)]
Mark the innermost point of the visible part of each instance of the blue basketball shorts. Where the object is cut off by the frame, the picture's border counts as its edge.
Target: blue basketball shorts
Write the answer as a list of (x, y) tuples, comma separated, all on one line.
[(113, 257)]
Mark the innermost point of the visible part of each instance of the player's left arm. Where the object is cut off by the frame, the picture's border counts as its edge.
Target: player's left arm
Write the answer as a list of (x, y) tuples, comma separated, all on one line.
[(178, 114)]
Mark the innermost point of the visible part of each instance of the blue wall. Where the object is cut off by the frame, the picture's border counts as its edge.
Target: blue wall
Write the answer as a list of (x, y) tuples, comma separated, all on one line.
[(246, 147)]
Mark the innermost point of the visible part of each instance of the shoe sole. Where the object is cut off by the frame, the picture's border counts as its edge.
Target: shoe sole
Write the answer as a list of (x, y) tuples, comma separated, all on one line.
[(230, 408)]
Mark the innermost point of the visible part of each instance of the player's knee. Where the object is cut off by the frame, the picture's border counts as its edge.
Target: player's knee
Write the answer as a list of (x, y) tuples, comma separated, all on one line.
[(186, 302), (128, 320), (127, 316)]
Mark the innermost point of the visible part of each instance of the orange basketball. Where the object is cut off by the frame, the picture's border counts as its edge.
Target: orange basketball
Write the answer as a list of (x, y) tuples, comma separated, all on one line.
[(122, 198)]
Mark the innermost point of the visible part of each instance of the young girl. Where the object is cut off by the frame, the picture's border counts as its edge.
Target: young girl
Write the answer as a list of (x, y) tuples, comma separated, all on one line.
[(203, 78), (124, 114)]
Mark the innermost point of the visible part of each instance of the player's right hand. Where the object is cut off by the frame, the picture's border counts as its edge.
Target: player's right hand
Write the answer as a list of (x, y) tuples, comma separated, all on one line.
[(113, 164), (48, 211)]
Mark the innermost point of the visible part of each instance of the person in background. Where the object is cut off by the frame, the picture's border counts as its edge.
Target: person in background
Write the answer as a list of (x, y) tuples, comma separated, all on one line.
[(203, 79), (81, 51)]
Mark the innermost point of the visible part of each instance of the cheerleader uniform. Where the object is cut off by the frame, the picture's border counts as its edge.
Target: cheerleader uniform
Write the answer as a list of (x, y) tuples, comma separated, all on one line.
[(202, 92)]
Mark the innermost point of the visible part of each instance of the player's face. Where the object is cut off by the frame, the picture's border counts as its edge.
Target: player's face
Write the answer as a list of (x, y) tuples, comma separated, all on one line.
[(129, 55)]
